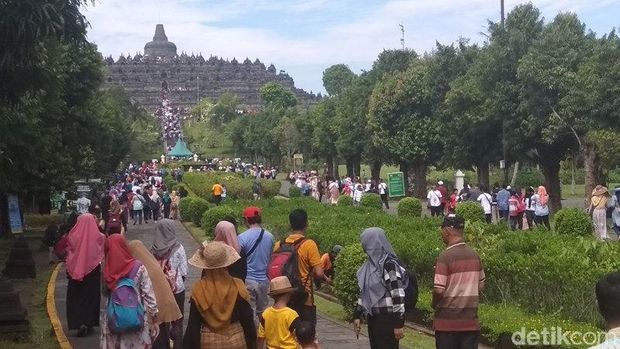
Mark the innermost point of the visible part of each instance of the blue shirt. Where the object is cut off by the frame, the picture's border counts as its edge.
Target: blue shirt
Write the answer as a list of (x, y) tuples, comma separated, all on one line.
[(502, 199), (259, 259)]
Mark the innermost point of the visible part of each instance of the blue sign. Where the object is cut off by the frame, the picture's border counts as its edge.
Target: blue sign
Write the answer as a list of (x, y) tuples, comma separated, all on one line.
[(15, 217)]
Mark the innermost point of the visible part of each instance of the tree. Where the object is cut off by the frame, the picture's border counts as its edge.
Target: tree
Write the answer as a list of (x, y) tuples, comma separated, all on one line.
[(276, 96), (224, 111), (324, 134), (547, 73), (336, 78)]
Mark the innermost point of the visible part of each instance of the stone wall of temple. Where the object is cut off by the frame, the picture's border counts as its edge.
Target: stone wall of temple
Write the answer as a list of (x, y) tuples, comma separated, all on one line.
[(191, 78)]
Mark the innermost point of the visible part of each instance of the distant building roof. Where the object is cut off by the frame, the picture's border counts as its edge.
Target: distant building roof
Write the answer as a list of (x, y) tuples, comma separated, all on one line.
[(180, 150)]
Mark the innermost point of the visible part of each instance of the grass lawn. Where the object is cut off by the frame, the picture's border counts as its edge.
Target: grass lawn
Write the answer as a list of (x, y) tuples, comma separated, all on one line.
[(197, 232), (335, 312), (33, 297)]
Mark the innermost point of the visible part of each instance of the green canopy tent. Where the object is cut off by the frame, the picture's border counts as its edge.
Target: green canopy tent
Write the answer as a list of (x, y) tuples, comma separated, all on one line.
[(180, 150)]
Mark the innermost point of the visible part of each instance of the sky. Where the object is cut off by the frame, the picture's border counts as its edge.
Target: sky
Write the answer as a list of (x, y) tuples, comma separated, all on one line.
[(304, 37)]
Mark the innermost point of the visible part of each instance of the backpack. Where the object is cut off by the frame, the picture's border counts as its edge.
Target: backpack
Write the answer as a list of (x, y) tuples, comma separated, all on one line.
[(114, 223), (411, 291), (125, 311), (285, 262)]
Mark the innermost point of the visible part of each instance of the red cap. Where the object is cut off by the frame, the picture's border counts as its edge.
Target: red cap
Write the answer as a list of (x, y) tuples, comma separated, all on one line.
[(251, 211)]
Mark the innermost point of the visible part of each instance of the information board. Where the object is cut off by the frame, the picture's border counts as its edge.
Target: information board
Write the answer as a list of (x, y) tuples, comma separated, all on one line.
[(396, 184), (15, 217)]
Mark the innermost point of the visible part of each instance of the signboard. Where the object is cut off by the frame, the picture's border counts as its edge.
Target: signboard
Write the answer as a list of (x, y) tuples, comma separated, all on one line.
[(396, 184), (15, 217)]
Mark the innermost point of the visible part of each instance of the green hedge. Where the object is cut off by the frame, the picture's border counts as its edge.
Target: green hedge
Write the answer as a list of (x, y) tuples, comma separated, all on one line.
[(294, 191), (371, 200), (345, 282), (345, 200), (573, 222), (197, 207), (409, 207), (184, 208), (237, 187), (470, 211), (216, 214)]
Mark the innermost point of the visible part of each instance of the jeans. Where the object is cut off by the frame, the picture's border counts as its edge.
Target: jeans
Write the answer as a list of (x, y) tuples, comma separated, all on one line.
[(542, 220), (137, 216), (456, 340), (258, 297)]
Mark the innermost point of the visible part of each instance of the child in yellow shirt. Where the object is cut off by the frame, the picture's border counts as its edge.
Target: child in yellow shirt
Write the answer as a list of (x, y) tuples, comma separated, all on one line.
[(277, 323)]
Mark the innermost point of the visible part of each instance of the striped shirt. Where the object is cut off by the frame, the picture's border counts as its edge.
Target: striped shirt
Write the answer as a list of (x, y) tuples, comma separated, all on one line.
[(459, 272)]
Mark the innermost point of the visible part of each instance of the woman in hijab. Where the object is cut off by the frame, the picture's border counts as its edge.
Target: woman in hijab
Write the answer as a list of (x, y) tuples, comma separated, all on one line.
[(614, 205), (168, 309), (598, 211), (227, 233), (384, 312), (541, 208), (84, 255), (172, 259), (119, 263), (174, 205), (167, 202), (220, 315)]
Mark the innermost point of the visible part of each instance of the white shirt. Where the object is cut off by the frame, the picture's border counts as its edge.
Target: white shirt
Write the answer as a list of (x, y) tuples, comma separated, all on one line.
[(485, 202), (382, 188), (434, 198), (83, 204), (612, 340), (178, 262)]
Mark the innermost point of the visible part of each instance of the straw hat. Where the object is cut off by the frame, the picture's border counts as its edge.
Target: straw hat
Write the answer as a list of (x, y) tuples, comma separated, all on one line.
[(600, 190), (214, 255), (280, 285)]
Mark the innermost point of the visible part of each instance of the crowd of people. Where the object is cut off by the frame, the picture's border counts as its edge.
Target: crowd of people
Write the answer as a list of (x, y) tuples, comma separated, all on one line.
[(169, 117)]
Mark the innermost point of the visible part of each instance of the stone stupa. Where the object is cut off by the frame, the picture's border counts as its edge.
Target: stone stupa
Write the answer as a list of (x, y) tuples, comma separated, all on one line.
[(160, 46)]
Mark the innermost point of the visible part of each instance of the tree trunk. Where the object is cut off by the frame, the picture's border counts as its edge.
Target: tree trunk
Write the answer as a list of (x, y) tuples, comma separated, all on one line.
[(419, 180), (483, 173), (330, 166), (404, 168), (336, 169), (350, 168), (551, 171), (594, 170), (375, 170), (357, 168), (515, 171)]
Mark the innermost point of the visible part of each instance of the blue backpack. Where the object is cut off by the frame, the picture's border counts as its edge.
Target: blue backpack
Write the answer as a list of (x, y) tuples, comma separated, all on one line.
[(125, 310)]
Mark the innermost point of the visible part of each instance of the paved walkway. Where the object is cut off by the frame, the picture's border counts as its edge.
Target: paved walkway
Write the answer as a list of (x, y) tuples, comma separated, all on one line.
[(332, 335)]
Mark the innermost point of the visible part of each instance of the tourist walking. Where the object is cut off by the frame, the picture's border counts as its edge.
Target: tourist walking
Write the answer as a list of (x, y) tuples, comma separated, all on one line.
[(530, 207), (434, 201), (459, 279), (116, 222), (383, 192), (614, 205), (485, 201), (166, 202), (170, 254), (444, 196), (220, 315), (155, 204), (598, 211), (168, 309), (278, 322), (514, 210), (174, 205), (308, 262), (137, 203), (226, 232), (85, 251), (503, 206), (541, 207), (382, 282), (122, 270), (256, 244), (216, 191), (334, 192)]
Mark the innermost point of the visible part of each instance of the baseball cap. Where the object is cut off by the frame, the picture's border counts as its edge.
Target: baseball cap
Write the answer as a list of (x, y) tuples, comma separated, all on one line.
[(251, 211), (453, 221)]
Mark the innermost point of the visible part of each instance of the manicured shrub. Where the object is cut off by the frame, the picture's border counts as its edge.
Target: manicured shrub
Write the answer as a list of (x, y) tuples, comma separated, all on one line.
[(170, 182), (184, 208), (409, 207), (573, 222), (216, 214), (294, 191), (271, 188), (470, 211), (371, 200), (345, 281), (237, 187), (345, 200), (197, 208)]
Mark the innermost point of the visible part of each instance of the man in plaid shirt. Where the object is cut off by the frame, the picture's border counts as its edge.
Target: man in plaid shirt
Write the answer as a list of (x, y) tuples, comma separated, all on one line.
[(382, 282)]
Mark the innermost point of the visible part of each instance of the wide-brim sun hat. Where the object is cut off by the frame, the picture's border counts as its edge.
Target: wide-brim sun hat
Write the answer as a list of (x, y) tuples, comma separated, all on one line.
[(600, 190), (214, 255), (280, 285)]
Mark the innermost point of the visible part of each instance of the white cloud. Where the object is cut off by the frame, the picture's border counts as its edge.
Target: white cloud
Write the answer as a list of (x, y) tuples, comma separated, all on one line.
[(335, 34)]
